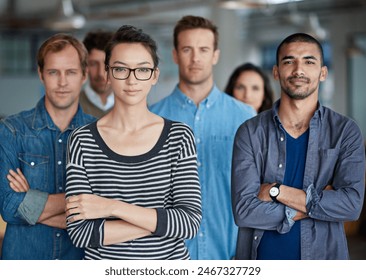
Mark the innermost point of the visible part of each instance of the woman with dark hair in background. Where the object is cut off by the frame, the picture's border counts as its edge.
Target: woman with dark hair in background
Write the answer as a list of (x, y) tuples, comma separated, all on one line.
[(249, 84)]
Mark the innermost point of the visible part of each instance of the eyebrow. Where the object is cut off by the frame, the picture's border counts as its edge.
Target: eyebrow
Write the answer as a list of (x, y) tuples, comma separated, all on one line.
[(58, 69), (192, 47), (305, 57), (140, 63)]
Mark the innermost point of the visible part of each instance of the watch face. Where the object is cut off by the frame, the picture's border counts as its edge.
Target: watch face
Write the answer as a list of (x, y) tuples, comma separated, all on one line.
[(274, 191)]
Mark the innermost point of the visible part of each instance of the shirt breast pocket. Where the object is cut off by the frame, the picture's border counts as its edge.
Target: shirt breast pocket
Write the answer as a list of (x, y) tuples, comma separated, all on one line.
[(35, 170), (328, 159), (329, 152)]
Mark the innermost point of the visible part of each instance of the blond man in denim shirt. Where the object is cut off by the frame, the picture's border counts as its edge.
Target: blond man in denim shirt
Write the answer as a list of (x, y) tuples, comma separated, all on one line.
[(33, 157)]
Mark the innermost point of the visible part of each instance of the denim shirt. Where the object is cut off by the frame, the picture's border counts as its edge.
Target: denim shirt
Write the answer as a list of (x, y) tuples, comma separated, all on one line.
[(32, 142), (214, 123), (335, 157)]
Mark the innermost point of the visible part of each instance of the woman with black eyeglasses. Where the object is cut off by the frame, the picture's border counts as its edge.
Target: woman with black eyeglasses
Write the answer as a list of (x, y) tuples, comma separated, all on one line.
[(132, 182)]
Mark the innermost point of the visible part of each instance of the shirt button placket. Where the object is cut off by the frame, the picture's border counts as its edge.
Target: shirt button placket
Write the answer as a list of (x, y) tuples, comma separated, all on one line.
[(282, 139)]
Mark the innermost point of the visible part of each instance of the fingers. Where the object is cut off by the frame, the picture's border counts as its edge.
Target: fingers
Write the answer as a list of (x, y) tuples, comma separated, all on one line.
[(73, 209), (17, 181), (71, 204), (84, 206), (15, 186), (20, 173)]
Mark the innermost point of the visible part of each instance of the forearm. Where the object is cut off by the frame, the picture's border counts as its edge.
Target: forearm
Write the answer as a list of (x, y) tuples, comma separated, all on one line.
[(145, 218), (57, 221), (293, 198), (117, 231), (87, 213), (55, 206), (299, 216)]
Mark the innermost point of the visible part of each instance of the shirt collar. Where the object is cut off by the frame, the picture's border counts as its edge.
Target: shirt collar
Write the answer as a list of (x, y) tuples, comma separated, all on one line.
[(42, 119), (208, 101), (318, 113), (95, 99)]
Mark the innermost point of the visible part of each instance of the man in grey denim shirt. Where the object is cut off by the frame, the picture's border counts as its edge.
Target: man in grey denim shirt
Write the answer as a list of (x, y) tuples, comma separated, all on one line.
[(332, 177), (33, 157)]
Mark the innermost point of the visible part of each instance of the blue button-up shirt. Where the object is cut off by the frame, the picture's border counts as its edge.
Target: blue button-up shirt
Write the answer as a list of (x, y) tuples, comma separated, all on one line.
[(32, 142), (214, 123), (335, 156)]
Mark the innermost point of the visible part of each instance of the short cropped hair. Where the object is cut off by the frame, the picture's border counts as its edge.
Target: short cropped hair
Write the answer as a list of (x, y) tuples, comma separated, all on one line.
[(194, 22), (57, 43), (300, 37)]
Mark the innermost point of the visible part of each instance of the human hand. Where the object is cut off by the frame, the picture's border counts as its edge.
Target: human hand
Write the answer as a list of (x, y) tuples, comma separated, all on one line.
[(86, 207), (17, 181)]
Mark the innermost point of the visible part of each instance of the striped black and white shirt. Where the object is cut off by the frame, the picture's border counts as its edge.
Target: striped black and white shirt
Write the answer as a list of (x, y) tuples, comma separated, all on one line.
[(165, 178)]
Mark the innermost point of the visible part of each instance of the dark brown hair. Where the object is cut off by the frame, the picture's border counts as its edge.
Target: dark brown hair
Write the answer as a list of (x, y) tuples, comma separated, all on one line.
[(131, 34), (268, 92), (194, 22), (301, 37), (97, 39)]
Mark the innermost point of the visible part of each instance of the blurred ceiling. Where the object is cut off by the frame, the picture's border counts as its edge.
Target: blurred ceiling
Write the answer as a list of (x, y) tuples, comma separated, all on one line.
[(87, 14)]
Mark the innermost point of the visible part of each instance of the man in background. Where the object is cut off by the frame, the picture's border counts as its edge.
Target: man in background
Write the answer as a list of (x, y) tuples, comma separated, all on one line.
[(214, 117), (96, 98)]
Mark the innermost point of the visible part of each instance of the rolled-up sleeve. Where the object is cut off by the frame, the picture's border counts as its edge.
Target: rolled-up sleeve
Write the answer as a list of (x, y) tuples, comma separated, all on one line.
[(249, 210), (347, 165), (32, 206)]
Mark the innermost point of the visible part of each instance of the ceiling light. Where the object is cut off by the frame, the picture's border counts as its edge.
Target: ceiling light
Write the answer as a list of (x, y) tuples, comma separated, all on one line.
[(66, 18), (314, 28), (249, 4)]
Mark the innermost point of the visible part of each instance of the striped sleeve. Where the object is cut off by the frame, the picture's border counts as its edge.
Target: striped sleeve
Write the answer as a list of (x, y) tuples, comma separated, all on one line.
[(182, 220), (83, 233)]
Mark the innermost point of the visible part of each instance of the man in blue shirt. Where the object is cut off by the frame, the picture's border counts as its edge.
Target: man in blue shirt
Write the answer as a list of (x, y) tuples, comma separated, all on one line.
[(298, 169), (214, 118), (33, 156)]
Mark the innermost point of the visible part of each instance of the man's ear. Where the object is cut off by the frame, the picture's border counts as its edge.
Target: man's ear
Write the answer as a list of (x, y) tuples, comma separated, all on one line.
[(216, 56), (275, 72), (40, 75), (85, 76), (175, 56), (323, 73)]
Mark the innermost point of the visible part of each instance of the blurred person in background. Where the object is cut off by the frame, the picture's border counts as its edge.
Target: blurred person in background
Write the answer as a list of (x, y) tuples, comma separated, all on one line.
[(214, 117), (96, 97), (250, 84)]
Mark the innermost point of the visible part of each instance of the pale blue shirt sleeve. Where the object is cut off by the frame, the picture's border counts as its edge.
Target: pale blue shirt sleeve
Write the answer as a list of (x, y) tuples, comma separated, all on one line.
[(288, 221)]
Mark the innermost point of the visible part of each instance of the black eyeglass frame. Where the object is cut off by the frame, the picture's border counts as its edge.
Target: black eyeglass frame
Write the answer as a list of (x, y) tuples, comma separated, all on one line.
[(129, 72)]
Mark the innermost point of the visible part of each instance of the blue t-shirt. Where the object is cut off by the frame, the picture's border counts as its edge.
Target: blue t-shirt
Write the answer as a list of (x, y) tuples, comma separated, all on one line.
[(273, 245)]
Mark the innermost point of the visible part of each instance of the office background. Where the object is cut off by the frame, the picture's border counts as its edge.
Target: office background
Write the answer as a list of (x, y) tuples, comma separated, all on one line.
[(250, 31)]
